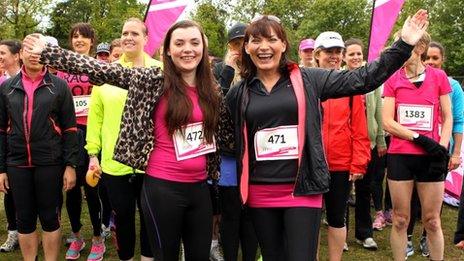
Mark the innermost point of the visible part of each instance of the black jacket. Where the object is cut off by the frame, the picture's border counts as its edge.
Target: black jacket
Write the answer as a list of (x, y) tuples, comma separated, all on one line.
[(52, 139), (320, 85)]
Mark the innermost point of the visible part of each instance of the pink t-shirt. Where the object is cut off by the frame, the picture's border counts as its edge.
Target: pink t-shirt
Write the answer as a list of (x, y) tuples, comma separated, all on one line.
[(280, 195), (422, 103), (80, 87), (162, 162), (29, 87)]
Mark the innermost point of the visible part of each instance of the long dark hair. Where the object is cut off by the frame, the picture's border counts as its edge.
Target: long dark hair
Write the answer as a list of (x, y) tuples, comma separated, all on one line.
[(262, 27), (180, 107)]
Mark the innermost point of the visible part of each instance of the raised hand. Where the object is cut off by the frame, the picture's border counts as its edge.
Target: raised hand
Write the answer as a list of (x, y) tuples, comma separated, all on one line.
[(34, 43), (414, 27)]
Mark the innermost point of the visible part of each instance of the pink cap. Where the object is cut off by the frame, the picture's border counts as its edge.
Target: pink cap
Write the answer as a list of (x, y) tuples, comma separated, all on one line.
[(306, 44)]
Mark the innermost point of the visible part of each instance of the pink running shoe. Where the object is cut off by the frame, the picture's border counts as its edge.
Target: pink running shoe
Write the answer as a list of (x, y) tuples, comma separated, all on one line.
[(74, 250), (379, 222), (97, 251), (387, 214)]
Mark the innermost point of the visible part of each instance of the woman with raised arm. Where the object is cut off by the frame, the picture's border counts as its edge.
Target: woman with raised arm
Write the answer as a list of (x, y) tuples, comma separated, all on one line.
[(415, 97), (276, 108), (170, 126)]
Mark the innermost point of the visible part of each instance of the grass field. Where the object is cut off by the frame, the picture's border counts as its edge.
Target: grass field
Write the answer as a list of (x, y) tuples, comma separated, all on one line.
[(355, 252)]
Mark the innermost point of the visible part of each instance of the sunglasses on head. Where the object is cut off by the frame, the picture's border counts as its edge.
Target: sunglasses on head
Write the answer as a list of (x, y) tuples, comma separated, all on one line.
[(269, 17)]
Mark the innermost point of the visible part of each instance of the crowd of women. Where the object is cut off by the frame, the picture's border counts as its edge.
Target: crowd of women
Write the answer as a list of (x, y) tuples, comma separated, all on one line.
[(258, 138)]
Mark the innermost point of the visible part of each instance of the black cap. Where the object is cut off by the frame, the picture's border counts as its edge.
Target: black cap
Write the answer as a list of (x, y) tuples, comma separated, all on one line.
[(236, 31)]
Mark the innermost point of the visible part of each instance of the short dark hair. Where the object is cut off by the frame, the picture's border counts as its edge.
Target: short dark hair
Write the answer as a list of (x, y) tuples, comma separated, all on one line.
[(262, 27), (14, 46), (85, 29)]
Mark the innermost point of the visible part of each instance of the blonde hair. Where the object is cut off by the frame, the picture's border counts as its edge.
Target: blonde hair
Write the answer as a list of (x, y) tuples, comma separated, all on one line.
[(425, 41)]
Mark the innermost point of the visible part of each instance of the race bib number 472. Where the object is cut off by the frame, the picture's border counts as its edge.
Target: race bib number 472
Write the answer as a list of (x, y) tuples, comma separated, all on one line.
[(280, 143), (415, 117), (192, 144)]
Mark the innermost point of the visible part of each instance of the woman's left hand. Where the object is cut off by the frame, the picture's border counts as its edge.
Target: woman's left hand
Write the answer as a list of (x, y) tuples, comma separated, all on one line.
[(414, 27), (454, 162), (355, 176)]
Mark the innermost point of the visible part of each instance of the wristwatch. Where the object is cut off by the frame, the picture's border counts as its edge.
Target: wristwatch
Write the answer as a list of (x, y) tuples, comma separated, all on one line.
[(415, 135), (92, 155)]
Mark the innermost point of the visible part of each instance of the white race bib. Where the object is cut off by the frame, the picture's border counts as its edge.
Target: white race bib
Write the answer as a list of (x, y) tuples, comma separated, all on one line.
[(280, 143), (416, 117), (192, 144), (81, 105)]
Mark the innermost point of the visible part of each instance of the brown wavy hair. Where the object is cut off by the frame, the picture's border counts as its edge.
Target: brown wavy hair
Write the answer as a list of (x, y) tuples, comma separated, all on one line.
[(179, 111)]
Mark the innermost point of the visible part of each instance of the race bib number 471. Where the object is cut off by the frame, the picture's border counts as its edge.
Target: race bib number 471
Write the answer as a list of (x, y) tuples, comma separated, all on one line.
[(415, 117), (192, 144), (280, 143)]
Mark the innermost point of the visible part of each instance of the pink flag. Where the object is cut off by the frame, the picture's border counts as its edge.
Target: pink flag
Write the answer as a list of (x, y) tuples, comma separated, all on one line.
[(160, 16), (384, 17)]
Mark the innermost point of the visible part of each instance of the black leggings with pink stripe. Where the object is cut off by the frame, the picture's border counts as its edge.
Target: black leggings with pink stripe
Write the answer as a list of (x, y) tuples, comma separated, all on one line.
[(175, 210)]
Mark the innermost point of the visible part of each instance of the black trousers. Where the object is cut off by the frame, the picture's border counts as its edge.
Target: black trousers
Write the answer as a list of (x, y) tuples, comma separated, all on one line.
[(175, 211), (236, 227), (459, 234), (124, 195), (289, 234), (10, 211), (377, 167), (37, 193), (363, 220), (74, 196)]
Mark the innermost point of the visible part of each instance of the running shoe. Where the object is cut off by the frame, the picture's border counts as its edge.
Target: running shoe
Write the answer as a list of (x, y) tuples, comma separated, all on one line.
[(74, 250), (368, 243), (11, 242), (106, 231), (215, 254), (424, 247), (409, 249), (97, 251), (460, 245), (345, 247), (387, 214), (379, 221), (70, 239)]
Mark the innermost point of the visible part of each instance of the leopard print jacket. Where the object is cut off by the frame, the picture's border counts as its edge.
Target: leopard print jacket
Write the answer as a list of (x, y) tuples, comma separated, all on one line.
[(145, 87)]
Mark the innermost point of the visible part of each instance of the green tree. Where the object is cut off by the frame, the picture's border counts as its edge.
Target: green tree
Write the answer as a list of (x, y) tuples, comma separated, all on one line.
[(351, 18), (22, 17), (212, 19), (106, 17)]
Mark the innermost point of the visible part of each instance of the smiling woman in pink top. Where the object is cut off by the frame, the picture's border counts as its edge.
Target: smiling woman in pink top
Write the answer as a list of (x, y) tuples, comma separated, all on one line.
[(415, 97)]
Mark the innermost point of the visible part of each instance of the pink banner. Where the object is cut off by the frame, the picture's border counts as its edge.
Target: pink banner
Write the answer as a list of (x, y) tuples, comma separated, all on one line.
[(384, 17), (160, 16)]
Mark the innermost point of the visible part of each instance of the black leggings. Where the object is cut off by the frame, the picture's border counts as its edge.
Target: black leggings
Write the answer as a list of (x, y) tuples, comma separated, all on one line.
[(37, 192), (74, 196), (290, 234), (336, 199), (176, 210), (124, 195), (10, 211), (236, 227)]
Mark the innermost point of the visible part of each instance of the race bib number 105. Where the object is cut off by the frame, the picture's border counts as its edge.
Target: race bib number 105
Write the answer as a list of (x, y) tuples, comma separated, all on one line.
[(416, 117), (81, 105), (192, 144), (280, 143)]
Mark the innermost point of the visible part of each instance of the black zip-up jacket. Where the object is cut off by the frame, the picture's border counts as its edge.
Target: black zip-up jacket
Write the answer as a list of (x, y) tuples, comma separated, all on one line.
[(319, 84), (52, 138)]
